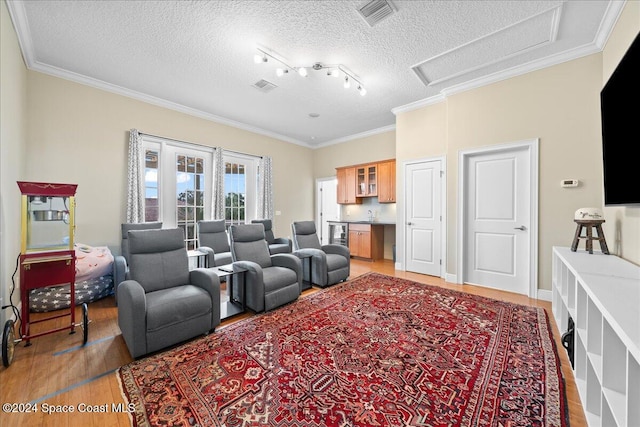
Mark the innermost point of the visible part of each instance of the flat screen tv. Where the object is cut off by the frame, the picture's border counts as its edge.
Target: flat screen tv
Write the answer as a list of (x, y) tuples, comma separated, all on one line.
[(620, 108)]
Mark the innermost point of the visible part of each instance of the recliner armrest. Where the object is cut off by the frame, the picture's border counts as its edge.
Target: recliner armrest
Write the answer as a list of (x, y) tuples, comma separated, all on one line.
[(132, 309), (209, 281), (289, 261), (119, 273), (211, 261), (337, 249), (254, 297), (282, 240)]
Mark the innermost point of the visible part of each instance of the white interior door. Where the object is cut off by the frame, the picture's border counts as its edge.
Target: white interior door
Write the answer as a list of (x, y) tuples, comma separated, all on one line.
[(423, 217), (328, 208), (498, 218)]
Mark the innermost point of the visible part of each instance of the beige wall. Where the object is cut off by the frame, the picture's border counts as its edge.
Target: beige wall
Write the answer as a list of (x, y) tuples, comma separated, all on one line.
[(559, 105), (79, 134), (622, 224), (13, 139), (362, 150)]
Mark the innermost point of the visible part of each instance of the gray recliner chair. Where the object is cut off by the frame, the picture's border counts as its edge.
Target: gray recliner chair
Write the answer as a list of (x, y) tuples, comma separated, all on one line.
[(271, 280), (214, 240), (163, 303), (121, 262), (330, 263), (277, 245)]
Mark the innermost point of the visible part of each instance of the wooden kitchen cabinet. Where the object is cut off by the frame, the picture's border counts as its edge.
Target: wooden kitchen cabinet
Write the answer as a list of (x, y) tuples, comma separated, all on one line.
[(366, 241), (347, 186), (387, 181), (367, 180)]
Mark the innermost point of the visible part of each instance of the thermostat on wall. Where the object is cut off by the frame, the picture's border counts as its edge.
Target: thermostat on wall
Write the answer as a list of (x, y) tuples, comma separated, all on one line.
[(569, 183)]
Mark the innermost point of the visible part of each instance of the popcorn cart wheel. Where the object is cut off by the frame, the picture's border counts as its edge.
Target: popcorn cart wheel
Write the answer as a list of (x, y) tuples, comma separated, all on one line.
[(8, 343), (9, 340)]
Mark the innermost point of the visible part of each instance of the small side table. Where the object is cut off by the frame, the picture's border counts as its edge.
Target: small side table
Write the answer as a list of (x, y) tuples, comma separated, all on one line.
[(589, 225), (233, 306), (201, 258), (306, 284)]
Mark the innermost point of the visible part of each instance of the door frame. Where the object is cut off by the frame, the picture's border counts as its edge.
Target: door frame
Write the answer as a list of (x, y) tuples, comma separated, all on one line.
[(318, 218), (532, 146), (443, 210)]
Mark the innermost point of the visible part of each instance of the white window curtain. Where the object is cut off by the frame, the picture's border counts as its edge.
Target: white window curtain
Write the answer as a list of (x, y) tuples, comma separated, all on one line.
[(135, 179), (217, 199), (265, 188)]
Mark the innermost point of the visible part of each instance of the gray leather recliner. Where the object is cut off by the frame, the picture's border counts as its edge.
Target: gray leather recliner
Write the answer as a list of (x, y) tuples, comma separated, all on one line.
[(271, 280), (277, 245), (330, 263), (163, 303), (214, 240)]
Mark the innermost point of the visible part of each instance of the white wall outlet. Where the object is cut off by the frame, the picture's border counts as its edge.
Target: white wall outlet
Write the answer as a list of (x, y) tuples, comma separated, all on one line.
[(278, 213)]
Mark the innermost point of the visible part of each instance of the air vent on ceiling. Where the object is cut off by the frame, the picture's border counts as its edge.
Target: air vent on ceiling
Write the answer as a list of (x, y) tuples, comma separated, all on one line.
[(375, 11), (264, 86)]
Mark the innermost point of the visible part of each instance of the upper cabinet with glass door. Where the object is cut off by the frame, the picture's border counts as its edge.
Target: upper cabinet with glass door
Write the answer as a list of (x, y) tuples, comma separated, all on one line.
[(367, 180)]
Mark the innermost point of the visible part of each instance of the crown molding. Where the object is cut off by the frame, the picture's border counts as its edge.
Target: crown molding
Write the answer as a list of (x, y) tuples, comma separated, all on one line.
[(418, 104)]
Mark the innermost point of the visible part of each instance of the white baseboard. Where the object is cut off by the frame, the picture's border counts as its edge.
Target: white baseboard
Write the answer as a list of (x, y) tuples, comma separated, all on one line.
[(451, 278), (544, 294)]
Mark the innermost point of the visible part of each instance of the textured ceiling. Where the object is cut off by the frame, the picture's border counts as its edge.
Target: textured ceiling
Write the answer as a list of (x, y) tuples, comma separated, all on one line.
[(197, 56)]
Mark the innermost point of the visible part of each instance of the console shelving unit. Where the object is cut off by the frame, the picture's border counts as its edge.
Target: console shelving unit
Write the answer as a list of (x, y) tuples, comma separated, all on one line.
[(601, 293)]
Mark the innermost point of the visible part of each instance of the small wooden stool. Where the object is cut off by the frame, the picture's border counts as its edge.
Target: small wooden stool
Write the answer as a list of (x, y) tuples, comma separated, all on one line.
[(590, 224)]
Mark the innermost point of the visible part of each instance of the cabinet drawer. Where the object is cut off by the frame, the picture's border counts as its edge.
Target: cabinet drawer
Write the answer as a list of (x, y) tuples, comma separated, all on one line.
[(359, 227)]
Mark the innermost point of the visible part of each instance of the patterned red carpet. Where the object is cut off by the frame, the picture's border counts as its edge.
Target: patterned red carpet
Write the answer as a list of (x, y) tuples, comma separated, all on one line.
[(375, 351)]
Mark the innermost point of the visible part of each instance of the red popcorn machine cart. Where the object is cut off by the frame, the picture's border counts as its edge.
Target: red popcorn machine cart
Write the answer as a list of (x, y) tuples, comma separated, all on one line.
[(47, 258)]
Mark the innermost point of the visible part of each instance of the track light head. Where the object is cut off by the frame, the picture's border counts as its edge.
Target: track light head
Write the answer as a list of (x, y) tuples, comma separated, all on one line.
[(257, 58), (302, 71), (281, 72), (362, 90), (347, 82)]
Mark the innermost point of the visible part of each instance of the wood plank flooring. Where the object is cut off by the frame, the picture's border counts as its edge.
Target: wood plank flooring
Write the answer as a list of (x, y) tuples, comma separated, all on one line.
[(57, 373)]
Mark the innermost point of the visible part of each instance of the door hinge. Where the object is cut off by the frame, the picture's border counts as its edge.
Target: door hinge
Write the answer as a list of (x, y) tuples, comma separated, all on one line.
[(441, 173), (440, 262)]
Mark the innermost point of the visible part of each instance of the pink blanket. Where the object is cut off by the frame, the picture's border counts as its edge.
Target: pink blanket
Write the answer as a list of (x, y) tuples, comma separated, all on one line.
[(92, 262)]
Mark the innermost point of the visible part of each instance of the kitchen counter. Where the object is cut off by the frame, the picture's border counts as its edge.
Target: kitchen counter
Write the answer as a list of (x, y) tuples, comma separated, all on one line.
[(363, 222)]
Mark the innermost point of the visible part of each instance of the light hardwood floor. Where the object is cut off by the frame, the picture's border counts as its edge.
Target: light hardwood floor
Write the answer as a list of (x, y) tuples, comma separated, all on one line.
[(57, 371)]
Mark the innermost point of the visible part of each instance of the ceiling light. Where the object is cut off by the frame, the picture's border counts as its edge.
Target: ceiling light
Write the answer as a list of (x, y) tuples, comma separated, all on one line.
[(334, 70)]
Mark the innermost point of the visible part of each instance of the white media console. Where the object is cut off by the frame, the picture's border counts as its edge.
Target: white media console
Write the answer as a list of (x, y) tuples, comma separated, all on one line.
[(601, 293)]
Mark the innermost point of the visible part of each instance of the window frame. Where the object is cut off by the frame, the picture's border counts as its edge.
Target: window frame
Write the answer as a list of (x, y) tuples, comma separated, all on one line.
[(168, 150)]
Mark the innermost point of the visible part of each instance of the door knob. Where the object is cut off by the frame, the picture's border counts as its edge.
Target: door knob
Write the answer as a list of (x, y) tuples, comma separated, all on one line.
[(409, 223), (522, 227)]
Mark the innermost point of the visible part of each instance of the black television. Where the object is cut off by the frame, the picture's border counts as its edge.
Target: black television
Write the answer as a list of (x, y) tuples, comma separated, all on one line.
[(620, 112)]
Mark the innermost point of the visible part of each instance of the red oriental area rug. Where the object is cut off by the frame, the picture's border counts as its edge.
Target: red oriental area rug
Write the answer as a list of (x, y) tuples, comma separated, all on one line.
[(374, 351)]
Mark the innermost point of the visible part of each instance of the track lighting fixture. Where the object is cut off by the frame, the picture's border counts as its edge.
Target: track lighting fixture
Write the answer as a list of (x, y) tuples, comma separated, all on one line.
[(333, 70), (257, 58)]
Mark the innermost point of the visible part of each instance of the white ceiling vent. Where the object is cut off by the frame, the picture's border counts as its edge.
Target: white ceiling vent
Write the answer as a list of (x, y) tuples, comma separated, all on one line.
[(264, 86), (375, 11)]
